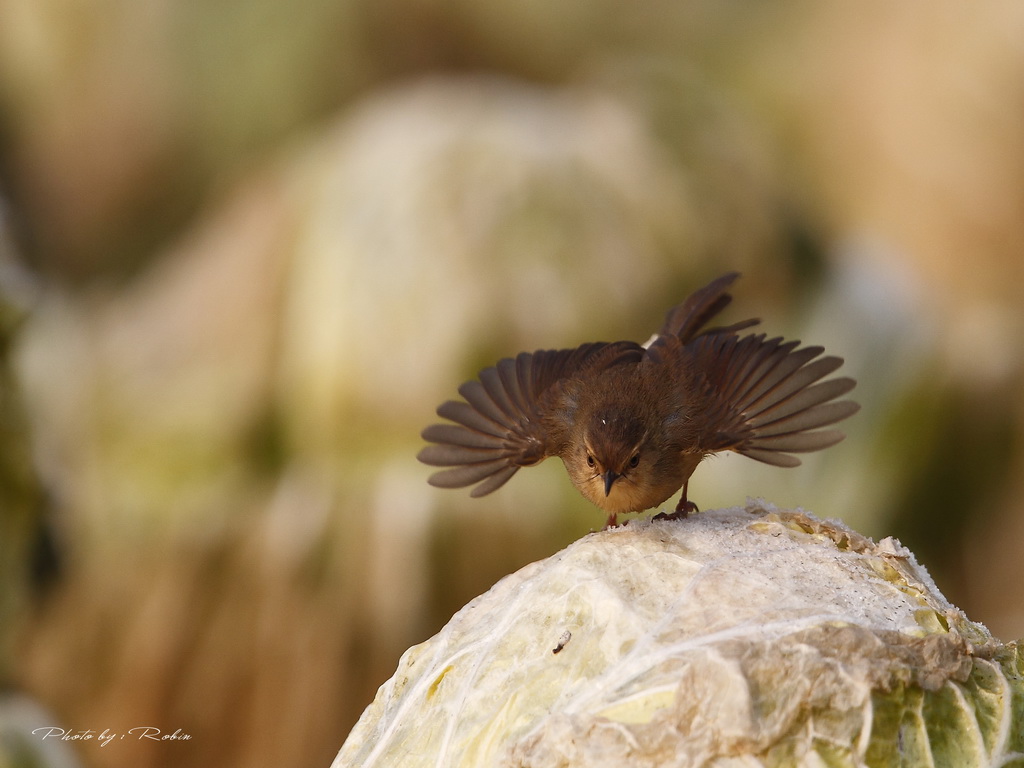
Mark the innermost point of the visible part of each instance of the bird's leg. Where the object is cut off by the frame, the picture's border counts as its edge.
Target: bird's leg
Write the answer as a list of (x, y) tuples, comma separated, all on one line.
[(683, 508), (612, 521)]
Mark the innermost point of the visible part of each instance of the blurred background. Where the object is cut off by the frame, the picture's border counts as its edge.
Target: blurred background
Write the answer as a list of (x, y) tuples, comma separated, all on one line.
[(247, 247)]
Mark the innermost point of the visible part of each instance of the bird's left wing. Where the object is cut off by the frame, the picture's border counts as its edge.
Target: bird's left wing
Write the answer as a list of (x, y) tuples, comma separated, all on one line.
[(766, 397), (500, 425)]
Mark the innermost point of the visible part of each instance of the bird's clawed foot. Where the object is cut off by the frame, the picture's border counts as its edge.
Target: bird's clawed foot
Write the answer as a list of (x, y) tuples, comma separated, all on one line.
[(683, 509), (612, 521), (682, 512)]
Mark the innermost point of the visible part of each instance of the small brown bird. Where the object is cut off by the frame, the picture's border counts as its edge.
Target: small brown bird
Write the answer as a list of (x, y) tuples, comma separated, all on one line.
[(632, 423)]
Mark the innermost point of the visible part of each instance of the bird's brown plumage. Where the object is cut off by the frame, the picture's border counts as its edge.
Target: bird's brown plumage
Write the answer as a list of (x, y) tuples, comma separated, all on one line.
[(631, 424)]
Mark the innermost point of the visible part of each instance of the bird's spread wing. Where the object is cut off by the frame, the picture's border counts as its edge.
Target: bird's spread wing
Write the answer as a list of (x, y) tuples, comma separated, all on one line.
[(499, 426), (685, 321), (767, 396)]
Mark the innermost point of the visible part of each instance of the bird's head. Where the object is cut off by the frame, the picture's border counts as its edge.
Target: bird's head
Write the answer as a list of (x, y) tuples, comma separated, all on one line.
[(611, 460)]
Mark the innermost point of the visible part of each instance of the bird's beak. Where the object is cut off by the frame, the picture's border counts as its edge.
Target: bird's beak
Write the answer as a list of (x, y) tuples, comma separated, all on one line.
[(609, 478)]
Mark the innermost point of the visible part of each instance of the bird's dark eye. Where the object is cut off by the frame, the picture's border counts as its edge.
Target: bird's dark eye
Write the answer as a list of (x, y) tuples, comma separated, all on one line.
[(634, 461), (590, 460)]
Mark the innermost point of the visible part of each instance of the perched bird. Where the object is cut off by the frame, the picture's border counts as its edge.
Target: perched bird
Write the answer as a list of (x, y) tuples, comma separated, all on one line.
[(632, 423)]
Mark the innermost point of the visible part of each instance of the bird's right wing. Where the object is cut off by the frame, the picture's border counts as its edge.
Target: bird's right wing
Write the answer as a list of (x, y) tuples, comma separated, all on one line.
[(499, 426)]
